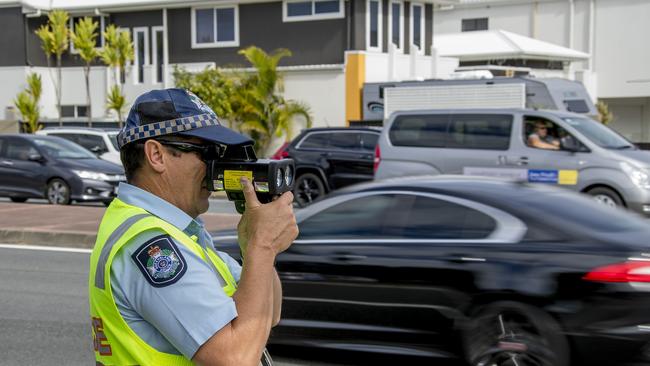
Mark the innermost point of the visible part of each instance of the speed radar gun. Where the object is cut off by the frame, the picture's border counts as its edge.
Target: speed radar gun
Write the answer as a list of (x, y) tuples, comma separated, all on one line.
[(270, 178)]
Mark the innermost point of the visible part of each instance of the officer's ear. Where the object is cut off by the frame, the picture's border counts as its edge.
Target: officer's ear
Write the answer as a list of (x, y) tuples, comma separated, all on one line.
[(155, 155)]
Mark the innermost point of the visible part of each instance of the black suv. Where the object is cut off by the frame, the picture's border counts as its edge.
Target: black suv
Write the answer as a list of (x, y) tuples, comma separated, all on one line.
[(330, 158)]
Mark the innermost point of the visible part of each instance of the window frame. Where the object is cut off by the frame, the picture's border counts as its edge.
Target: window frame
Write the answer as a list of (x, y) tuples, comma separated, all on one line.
[(412, 26), (216, 43), (154, 55), (380, 29), (399, 49), (508, 230), (76, 111), (301, 18), (102, 28), (136, 48)]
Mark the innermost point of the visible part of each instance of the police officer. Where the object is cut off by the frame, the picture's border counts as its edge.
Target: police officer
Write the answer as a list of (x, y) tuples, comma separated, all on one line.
[(160, 293)]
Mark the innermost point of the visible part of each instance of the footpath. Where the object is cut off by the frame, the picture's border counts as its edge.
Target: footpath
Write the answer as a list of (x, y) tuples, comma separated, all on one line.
[(70, 226)]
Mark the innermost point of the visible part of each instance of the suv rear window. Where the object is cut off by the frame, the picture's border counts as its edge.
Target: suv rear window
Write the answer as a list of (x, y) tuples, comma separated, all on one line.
[(343, 140), (464, 131), (315, 141)]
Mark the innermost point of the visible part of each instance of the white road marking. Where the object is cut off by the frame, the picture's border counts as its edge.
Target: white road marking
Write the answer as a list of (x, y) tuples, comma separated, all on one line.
[(50, 249)]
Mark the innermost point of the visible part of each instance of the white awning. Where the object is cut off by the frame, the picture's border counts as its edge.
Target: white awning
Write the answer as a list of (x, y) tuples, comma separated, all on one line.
[(500, 44)]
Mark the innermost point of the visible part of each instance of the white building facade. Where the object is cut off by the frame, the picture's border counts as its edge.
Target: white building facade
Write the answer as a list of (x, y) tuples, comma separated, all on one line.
[(613, 32)]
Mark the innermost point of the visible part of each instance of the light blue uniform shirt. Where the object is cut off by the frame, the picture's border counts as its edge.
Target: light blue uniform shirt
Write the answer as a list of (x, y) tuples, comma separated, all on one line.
[(180, 317)]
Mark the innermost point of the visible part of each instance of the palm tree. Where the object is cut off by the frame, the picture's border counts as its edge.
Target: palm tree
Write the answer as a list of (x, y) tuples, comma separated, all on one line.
[(116, 102), (117, 53), (27, 103), (54, 40), (259, 105), (605, 116), (214, 87), (84, 40)]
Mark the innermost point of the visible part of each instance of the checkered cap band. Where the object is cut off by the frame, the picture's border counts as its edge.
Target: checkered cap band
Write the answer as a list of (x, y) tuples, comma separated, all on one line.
[(167, 127)]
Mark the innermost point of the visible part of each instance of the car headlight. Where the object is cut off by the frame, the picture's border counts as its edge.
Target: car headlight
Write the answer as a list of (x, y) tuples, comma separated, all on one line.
[(86, 174), (640, 177)]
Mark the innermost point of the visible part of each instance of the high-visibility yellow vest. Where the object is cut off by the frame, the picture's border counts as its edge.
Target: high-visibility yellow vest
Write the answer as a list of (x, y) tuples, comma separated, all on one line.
[(115, 342)]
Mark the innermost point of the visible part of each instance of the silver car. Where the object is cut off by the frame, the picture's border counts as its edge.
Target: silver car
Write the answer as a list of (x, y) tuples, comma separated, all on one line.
[(549, 147)]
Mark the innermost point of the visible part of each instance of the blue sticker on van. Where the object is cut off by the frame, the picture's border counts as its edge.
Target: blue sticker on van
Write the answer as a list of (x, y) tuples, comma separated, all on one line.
[(543, 176)]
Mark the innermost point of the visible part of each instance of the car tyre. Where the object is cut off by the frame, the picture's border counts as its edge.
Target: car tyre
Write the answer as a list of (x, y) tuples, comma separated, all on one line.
[(510, 333), (308, 188), (18, 199), (58, 192), (606, 196)]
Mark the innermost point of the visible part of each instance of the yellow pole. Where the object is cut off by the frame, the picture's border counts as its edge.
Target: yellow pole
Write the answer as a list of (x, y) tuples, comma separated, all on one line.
[(355, 76)]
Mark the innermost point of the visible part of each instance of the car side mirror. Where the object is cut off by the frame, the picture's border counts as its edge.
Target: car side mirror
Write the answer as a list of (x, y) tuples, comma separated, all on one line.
[(569, 143), (97, 150), (36, 157)]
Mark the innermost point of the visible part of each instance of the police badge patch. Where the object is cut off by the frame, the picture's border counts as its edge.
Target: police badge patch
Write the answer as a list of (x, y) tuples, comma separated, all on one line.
[(199, 103), (160, 261)]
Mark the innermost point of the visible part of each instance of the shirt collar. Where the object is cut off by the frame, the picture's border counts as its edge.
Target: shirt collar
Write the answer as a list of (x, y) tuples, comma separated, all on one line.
[(157, 206)]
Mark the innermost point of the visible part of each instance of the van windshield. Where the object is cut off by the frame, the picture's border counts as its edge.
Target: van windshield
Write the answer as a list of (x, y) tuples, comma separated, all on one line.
[(599, 133)]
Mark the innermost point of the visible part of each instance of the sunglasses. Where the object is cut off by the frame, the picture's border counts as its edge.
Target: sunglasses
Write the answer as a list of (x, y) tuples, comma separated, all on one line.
[(206, 152)]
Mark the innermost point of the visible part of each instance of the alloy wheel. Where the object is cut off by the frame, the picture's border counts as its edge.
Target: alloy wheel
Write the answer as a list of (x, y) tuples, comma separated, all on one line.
[(308, 188), (58, 192)]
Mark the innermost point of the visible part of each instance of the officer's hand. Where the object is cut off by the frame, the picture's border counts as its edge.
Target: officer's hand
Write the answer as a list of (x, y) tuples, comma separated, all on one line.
[(271, 225)]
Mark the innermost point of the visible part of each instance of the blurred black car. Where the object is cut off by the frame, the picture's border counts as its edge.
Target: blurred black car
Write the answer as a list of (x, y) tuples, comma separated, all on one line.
[(330, 158), (487, 271), (33, 166)]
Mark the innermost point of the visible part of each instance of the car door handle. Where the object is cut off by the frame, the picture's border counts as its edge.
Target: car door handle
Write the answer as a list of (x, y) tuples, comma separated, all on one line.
[(522, 160), (7, 162), (348, 257)]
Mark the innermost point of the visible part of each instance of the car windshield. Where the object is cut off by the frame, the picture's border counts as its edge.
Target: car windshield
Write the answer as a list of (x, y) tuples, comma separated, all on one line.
[(113, 137), (599, 133), (59, 148)]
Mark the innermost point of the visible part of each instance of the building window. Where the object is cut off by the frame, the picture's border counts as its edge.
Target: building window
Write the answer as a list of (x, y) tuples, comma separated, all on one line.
[(396, 24), (99, 41), (157, 54), (299, 10), (373, 24), (417, 27), (74, 111), (475, 24), (141, 53), (215, 27)]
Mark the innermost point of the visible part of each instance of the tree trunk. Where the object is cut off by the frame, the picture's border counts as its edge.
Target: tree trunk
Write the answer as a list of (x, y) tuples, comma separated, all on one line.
[(88, 109), (58, 88)]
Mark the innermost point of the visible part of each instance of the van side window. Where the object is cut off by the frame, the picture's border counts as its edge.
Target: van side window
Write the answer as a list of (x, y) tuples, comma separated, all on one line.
[(480, 131), (419, 130), (540, 133)]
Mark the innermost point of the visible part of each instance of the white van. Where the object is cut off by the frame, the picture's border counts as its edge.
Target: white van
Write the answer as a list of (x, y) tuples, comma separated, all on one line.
[(550, 147)]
